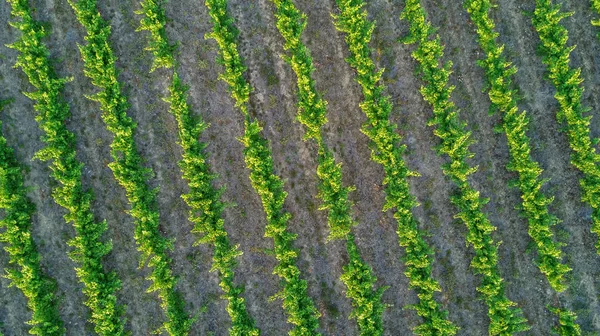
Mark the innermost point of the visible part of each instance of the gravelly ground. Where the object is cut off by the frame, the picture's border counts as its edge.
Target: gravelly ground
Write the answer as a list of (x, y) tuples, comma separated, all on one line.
[(273, 102)]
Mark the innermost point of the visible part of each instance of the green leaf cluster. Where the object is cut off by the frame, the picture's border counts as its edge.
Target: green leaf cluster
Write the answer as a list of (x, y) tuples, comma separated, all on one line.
[(359, 280), (567, 81), (312, 109), (27, 274), (515, 125), (154, 20), (99, 66), (203, 199), (387, 150), (298, 305), (99, 285), (567, 325), (505, 319)]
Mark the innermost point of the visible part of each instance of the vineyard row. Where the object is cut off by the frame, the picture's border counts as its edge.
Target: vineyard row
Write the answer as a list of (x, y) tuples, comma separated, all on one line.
[(312, 110), (388, 151), (89, 249), (203, 199), (505, 319), (99, 66), (300, 308), (99, 285), (27, 274), (515, 124)]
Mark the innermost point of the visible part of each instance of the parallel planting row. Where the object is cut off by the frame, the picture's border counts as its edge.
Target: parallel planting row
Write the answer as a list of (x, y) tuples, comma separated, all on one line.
[(26, 274), (203, 199), (99, 285), (514, 124), (505, 319), (99, 63), (206, 208), (299, 307), (567, 82), (388, 151), (312, 110)]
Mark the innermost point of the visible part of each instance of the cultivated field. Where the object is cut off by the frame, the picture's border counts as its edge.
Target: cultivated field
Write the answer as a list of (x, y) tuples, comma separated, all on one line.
[(242, 155)]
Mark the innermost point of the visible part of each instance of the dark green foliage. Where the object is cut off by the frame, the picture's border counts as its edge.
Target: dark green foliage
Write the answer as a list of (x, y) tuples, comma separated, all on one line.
[(514, 123), (27, 274), (566, 322), (203, 199), (153, 21), (99, 62), (455, 141), (312, 112), (298, 305), (99, 286), (387, 150), (359, 280), (567, 81)]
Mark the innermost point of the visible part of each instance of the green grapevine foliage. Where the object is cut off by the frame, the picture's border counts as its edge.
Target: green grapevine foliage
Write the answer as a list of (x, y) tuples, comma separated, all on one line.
[(567, 81), (298, 305), (99, 63), (27, 275), (388, 152), (99, 285), (312, 111), (534, 203), (455, 141), (514, 123), (203, 199)]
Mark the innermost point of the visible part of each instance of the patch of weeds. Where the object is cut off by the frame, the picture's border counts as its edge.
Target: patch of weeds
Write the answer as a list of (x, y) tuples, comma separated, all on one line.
[(327, 293), (448, 274), (455, 51), (127, 17), (293, 173), (193, 257), (434, 220), (211, 84), (201, 63), (427, 205), (272, 101), (513, 262), (268, 73), (311, 206)]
